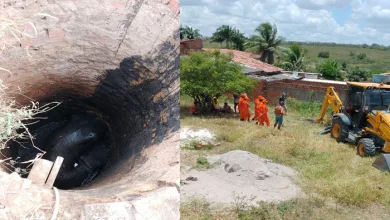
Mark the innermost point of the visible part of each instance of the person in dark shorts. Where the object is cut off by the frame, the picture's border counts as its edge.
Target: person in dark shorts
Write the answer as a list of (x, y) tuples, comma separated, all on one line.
[(279, 112), (283, 99), (236, 99)]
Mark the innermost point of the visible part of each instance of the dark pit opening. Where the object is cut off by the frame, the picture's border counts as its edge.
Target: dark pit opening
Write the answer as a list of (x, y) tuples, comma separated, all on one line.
[(74, 130), (130, 109)]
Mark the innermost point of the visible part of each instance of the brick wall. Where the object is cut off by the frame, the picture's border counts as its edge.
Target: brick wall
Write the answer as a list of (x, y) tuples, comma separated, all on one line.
[(190, 45), (297, 89)]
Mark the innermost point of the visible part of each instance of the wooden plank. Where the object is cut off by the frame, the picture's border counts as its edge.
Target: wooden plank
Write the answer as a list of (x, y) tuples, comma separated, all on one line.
[(54, 171), (40, 171)]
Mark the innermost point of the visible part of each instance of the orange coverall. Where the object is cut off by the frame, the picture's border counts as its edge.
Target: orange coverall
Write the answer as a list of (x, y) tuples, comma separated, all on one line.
[(257, 103), (243, 107), (263, 110)]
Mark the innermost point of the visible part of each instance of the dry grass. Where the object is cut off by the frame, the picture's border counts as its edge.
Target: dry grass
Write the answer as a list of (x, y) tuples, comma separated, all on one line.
[(14, 119), (327, 168), (311, 208)]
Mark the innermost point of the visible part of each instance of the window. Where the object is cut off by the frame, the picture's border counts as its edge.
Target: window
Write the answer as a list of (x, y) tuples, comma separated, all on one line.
[(378, 98)]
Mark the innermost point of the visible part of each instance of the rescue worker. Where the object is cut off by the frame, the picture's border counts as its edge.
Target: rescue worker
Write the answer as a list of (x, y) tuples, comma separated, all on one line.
[(257, 103), (263, 116), (243, 108)]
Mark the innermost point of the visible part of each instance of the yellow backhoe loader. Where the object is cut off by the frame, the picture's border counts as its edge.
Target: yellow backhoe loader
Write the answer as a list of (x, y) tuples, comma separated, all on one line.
[(363, 120)]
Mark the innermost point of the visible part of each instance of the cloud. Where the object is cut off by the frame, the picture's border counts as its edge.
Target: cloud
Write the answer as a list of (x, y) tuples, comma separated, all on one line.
[(321, 4), (375, 14), (301, 20)]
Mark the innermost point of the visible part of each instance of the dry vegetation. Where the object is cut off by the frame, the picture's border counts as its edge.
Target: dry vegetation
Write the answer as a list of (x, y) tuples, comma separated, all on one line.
[(14, 117), (338, 183)]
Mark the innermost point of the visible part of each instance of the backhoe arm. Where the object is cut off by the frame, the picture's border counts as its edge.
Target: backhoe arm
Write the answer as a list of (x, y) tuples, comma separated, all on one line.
[(333, 99)]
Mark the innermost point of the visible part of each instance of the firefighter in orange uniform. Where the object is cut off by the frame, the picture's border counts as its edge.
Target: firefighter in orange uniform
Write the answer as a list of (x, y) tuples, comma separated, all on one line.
[(263, 113), (257, 104), (243, 107)]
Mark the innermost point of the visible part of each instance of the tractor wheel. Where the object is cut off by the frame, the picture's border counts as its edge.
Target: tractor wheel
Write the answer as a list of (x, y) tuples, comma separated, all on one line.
[(366, 147), (339, 130)]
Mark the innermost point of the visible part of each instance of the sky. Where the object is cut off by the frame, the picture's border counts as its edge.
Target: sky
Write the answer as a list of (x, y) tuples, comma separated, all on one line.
[(339, 21)]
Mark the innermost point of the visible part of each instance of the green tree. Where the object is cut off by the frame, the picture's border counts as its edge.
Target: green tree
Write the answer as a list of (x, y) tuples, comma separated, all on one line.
[(358, 75), (266, 41), (216, 37), (211, 73), (191, 33), (238, 39), (294, 58), (330, 70), (224, 32)]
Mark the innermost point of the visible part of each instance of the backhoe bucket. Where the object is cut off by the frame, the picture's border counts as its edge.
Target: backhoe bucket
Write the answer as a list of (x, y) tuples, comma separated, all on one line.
[(325, 131), (382, 162)]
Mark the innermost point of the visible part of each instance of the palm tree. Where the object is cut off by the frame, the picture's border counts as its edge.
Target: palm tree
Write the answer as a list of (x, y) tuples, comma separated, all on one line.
[(238, 39), (294, 57), (191, 33), (182, 33), (266, 41), (224, 32), (216, 37)]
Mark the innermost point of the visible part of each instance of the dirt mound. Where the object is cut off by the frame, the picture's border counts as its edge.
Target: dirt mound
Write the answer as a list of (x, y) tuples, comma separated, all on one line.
[(241, 173)]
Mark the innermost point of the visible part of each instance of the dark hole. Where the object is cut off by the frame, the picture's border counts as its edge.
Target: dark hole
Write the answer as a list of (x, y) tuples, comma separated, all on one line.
[(74, 130), (137, 106)]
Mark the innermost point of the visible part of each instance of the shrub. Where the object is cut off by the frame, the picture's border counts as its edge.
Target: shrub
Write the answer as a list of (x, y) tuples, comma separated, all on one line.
[(330, 70), (356, 74), (344, 65), (323, 54), (361, 56), (202, 163)]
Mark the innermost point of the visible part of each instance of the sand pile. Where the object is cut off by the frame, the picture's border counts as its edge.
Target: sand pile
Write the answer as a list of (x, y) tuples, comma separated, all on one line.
[(240, 173)]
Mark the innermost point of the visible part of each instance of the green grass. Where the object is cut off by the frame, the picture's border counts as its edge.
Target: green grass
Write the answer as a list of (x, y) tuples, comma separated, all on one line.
[(202, 163), (328, 169), (376, 61)]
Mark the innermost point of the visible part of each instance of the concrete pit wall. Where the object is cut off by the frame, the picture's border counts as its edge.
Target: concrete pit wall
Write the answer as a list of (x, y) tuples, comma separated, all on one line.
[(121, 60)]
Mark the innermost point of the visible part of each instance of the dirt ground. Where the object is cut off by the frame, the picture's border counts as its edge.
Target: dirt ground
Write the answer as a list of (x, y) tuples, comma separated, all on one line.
[(234, 175)]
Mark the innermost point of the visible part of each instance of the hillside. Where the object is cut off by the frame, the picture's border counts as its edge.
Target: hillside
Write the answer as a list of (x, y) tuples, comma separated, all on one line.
[(377, 61)]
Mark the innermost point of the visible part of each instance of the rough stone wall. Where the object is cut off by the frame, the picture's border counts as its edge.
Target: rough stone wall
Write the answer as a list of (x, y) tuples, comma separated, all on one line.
[(88, 38), (297, 89)]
